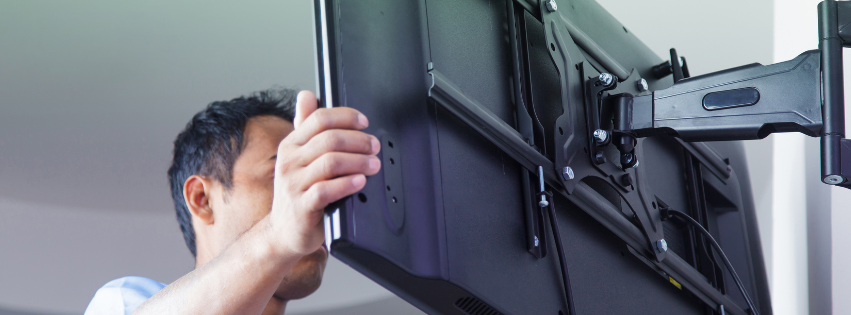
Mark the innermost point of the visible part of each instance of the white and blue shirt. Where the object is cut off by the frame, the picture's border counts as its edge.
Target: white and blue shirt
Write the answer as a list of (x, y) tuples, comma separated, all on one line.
[(123, 296)]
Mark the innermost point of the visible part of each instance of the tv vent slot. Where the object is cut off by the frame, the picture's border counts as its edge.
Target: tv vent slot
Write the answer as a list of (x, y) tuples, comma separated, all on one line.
[(474, 306)]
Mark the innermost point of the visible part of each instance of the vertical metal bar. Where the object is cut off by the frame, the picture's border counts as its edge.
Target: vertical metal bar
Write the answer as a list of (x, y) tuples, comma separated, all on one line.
[(833, 113), (535, 242), (524, 121)]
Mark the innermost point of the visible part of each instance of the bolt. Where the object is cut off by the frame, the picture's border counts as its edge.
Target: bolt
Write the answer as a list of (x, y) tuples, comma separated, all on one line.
[(552, 6), (606, 79), (661, 246), (642, 85), (536, 241), (600, 157), (543, 203), (628, 160), (626, 180), (601, 136), (567, 173), (833, 180)]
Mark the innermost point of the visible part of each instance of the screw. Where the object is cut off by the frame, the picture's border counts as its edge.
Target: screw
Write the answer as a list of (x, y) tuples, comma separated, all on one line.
[(606, 79), (833, 180), (552, 6), (536, 241), (567, 173), (541, 188), (661, 246), (642, 85), (601, 136)]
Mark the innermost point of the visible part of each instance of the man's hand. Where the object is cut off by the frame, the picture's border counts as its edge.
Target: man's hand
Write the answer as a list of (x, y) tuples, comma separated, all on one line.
[(325, 159)]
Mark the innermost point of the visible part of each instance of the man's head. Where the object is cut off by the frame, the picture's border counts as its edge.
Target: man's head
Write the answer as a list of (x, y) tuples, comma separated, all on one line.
[(222, 178)]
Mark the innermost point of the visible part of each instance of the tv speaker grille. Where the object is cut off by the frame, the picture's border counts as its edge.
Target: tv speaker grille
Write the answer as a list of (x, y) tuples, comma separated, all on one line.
[(474, 306)]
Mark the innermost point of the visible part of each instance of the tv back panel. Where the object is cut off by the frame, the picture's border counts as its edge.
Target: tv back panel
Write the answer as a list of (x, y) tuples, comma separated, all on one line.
[(452, 222)]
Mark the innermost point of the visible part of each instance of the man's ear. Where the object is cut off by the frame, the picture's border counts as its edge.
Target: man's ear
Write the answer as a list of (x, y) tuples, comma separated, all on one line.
[(196, 192)]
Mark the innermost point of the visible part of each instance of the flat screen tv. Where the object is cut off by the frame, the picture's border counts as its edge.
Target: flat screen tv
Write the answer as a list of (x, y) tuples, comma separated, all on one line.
[(488, 153)]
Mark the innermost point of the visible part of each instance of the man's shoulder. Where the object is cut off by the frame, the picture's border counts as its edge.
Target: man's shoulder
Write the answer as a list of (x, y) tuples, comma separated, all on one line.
[(123, 295)]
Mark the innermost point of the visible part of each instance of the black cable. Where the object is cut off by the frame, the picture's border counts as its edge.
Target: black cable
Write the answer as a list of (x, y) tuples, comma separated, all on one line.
[(557, 236), (690, 220)]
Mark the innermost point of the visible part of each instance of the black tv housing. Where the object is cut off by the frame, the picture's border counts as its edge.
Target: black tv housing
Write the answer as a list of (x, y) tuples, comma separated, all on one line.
[(451, 224)]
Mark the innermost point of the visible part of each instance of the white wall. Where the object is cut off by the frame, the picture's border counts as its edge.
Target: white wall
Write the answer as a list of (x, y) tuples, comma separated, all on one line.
[(840, 205)]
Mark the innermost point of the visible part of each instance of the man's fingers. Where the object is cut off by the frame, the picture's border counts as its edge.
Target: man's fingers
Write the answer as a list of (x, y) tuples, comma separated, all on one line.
[(320, 194), (339, 140), (325, 119), (336, 164), (305, 105)]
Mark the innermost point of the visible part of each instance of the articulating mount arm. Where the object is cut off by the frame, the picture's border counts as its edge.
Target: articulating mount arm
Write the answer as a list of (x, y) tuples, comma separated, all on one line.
[(804, 95)]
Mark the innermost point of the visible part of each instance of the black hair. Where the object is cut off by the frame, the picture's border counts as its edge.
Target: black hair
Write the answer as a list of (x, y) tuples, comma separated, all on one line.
[(212, 141)]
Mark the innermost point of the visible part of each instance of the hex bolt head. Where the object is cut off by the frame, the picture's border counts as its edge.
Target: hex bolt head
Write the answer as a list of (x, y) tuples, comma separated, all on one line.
[(661, 246), (642, 85), (833, 180), (600, 157), (543, 203), (552, 6), (567, 173), (601, 136), (626, 180), (606, 79), (627, 158)]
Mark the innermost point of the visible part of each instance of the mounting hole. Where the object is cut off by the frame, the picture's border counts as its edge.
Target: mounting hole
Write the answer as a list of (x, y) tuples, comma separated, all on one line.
[(362, 197), (585, 149), (391, 161), (624, 29), (561, 132), (654, 205), (388, 188), (553, 46), (394, 200), (390, 143)]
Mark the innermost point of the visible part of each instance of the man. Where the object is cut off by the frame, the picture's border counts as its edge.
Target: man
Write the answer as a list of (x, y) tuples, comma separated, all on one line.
[(250, 180)]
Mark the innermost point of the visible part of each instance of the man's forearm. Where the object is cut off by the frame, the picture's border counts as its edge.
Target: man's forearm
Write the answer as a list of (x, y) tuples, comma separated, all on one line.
[(240, 280)]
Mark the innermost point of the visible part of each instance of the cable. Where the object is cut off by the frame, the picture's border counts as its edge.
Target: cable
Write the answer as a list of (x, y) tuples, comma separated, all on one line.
[(557, 236), (669, 212)]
